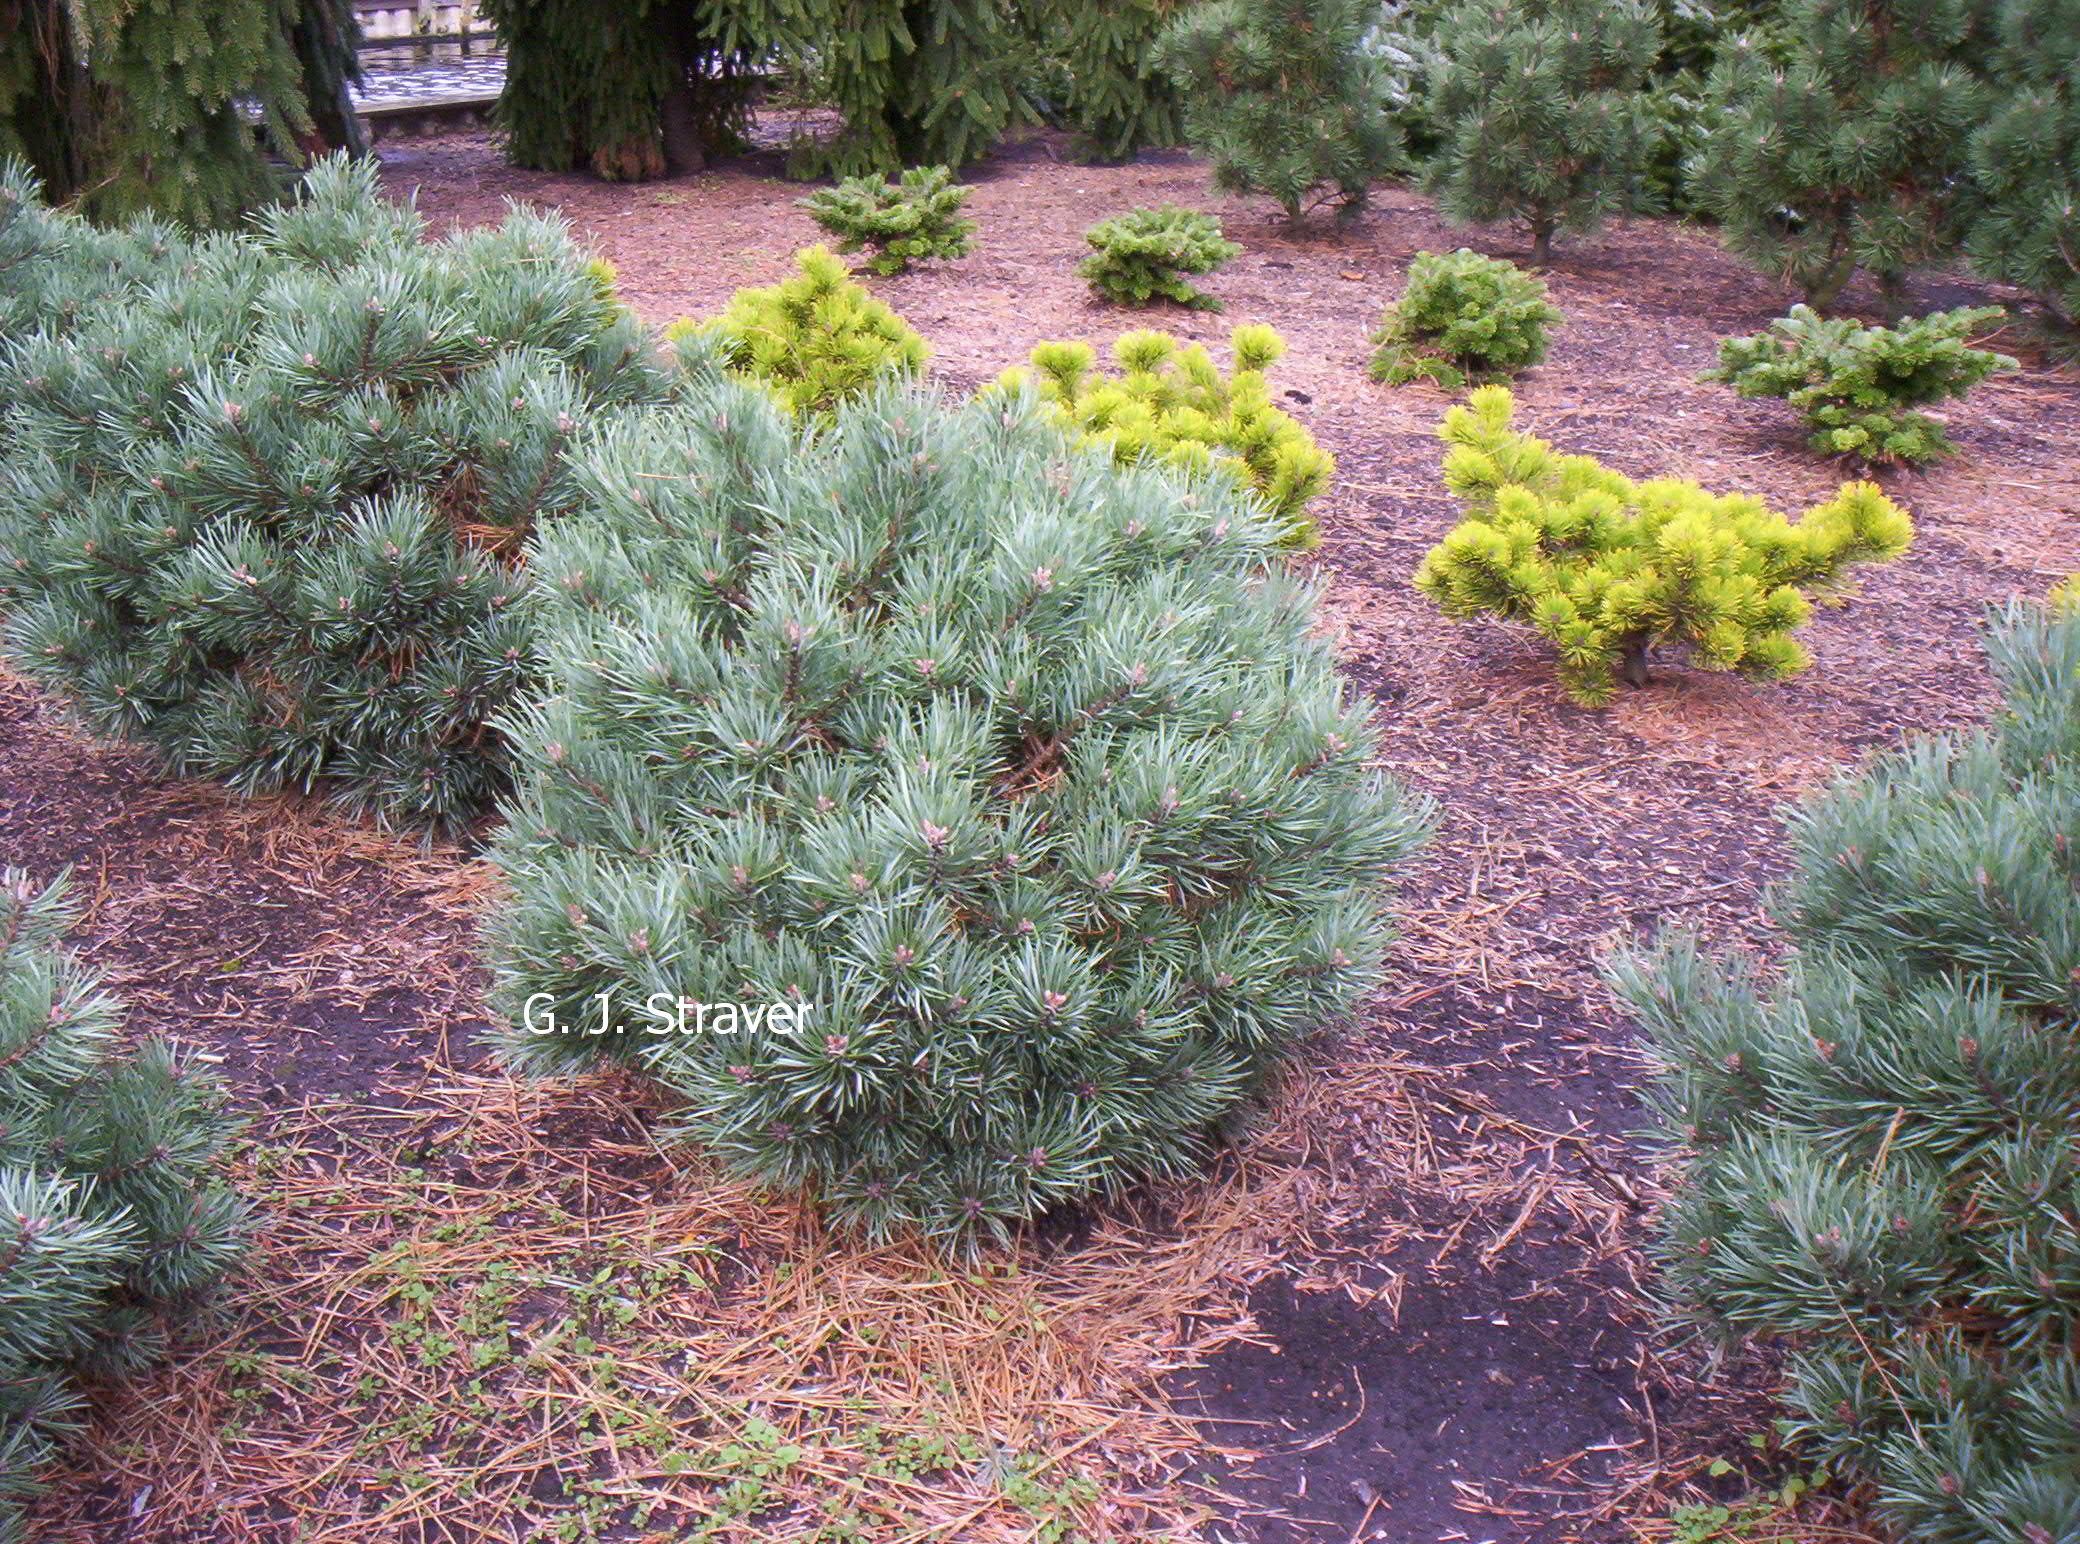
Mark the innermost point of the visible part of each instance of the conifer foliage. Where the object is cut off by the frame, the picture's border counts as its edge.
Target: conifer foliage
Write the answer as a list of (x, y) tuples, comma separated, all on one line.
[(1876, 1147), (916, 218), (1857, 386), (111, 1216), (1462, 316), (2025, 160), (1539, 107), (1849, 156), (1285, 98), (634, 90), (132, 107), (267, 495), (1015, 778), (1147, 254), (1100, 59), (1170, 403), (917, 82), (1605, 568), (814, 341)]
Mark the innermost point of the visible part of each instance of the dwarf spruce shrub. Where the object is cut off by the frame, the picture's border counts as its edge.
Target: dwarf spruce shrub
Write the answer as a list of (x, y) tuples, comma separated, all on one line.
[(266, 494), (1462, 317), (1606, 569), (1017, 779), (814, 340), (1145, 255), (899, 223), (111, 1215), (1170, 403), (1875, 1144), (1858, 386)]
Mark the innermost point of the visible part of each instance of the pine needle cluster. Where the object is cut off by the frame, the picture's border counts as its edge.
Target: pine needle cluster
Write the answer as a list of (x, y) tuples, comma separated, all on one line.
[(1857, 386), (1146, 254), (1878, 1171), (268, 493), (111, 1217), (1463, 317), (914, 220), (814, 341), (1606, 569), (1171, 404), (1015, 779)]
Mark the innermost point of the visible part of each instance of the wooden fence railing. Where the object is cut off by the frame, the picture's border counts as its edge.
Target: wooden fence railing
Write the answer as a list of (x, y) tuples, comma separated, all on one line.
[(388, 23)]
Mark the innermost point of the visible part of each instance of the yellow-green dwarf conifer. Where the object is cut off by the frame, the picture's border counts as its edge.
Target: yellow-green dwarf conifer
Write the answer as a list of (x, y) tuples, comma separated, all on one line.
[(1606, 568)]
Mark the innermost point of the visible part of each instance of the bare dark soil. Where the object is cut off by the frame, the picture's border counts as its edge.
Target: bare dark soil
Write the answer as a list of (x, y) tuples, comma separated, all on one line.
[(1446, 1342)]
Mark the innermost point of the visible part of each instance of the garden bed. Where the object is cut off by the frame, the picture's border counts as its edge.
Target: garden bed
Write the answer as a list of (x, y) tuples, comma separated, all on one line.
[(1404, 1308)]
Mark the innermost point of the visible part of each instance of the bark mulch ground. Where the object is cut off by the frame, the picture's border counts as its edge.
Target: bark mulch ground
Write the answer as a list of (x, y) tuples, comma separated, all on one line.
[(1408, 1308)]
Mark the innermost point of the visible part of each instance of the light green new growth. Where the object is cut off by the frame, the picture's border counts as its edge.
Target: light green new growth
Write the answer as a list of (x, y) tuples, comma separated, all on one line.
[(1857, 386), (1171, 403), (903, 222), (1606, 568), (1145, 254), (1463, 316), (814, 341)]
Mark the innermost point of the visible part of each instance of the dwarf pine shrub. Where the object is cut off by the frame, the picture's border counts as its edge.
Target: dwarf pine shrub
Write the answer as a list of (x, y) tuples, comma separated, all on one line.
[(111, 1217), (1002, 795), (1875, 1145), (1857, 386), (1170, 403), (267, 494), (814, 340), (1463, 317), (1146, 254), (1606, 569), (899, 223)]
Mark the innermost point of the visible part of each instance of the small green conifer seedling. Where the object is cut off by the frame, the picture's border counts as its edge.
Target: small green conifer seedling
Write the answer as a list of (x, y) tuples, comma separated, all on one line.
[(1858, 386), (814, 341), (1606, 568), (1463, 317), (1145, 255), (1171, 403), (899, 223)]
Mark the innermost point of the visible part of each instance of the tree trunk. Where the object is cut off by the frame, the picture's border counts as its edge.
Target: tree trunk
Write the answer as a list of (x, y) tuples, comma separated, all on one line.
[(1632, 659), (1541, 243), (1826, 287), (685, 152)]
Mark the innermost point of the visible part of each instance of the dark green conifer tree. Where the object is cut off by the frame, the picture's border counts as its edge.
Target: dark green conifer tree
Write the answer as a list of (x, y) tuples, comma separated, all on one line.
[(917, 82), (1539, 108), (1285, 98), (638, 90), (1850, 155), (131, 107), (1102, 73), (2026, 159)]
